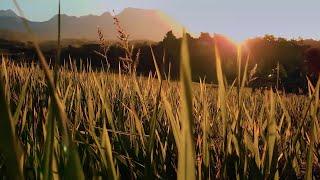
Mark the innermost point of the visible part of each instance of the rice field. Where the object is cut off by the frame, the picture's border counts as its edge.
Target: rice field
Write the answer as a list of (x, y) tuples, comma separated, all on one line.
[(93, 125)]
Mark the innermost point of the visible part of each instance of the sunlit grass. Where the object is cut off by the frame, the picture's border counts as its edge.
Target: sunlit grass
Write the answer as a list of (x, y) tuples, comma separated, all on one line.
[(120, 128)]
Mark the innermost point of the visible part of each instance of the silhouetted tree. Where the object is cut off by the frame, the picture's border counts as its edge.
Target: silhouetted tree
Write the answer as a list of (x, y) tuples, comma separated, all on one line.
[(277, 60)]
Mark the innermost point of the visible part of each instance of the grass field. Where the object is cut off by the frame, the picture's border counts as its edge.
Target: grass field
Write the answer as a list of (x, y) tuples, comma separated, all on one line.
[(110, 125)]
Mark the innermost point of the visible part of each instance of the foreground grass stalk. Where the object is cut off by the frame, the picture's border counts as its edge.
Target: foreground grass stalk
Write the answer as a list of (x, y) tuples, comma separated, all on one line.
[(9, 143), (222, 108), (272, 134), (313, 133), (74, 167), (49, 146), (186, 160)]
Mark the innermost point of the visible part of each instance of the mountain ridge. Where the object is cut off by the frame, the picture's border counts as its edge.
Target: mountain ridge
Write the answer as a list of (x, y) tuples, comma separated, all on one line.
[(140, 24), (8, 13)]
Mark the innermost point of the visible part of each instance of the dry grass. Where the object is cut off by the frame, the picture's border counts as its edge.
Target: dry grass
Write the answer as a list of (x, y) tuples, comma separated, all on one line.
[(122, 125)]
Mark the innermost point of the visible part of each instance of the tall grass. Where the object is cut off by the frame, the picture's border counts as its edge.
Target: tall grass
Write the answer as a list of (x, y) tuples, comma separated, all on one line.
[(120, 129)]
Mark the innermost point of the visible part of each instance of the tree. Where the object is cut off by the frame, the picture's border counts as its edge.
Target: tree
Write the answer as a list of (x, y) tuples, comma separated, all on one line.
[(205, 37), (169, 38)]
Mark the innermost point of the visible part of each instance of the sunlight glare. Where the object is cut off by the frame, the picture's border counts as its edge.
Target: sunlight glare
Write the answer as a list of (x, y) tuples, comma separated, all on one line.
[(237, 40)]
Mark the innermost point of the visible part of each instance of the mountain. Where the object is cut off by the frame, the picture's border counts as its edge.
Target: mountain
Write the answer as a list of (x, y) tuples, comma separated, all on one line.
[(7, 13), (311, 43), (140, 24)]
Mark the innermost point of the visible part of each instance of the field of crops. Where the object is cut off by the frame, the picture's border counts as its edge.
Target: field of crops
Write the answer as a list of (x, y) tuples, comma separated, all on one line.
[(86, 124)]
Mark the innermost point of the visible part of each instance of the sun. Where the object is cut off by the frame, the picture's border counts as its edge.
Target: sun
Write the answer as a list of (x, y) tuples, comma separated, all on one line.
[(237, 40)]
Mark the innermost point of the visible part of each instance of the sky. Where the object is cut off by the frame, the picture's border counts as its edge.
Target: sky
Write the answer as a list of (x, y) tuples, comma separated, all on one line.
[(238, 19)]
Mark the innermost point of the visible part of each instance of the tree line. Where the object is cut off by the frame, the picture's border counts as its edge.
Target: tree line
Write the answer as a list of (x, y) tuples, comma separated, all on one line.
[(272, 62)]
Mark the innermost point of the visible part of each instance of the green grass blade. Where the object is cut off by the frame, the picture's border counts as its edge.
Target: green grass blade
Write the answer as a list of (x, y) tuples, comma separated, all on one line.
[(10, 145), (272, 132), (221, 94), (153, 123), (22, 97), (186, 159), (156, 65), (105, 150), (49, 148), (172, 120), (313, 133), (106, 144)]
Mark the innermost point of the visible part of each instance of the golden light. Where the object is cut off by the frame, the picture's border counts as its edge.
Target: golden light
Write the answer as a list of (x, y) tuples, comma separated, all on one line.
[(176, 27), (237, 40)]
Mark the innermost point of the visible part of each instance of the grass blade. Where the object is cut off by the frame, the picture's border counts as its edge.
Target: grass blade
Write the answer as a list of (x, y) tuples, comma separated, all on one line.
[(186, 160), (49, 148), (10, 145), (21, 100), (74, 168)]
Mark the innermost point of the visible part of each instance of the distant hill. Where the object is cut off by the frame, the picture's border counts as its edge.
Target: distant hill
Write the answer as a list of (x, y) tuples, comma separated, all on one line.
[(141, 24), (14, 35), (7, 13), (311, 42)]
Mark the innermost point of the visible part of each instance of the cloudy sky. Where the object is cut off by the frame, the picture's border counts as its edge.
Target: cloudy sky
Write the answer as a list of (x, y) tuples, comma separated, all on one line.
[(238, 19)]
